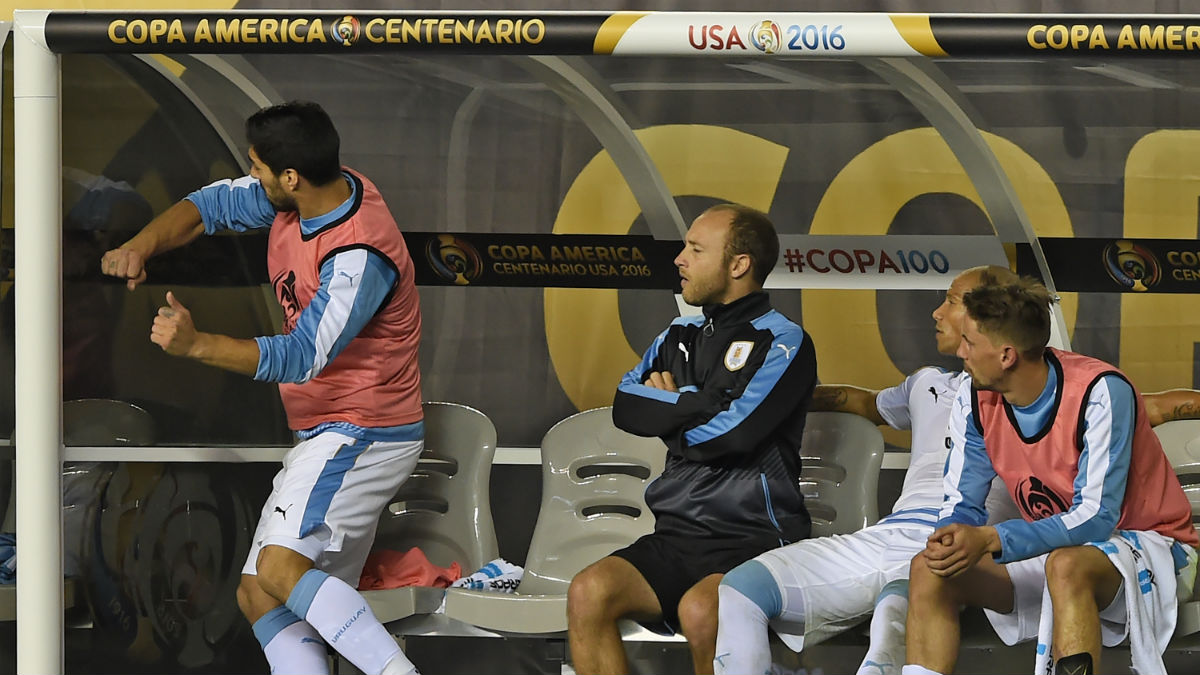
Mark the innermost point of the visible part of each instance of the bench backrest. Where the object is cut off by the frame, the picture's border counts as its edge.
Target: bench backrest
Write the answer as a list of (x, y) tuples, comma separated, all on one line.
[(593, 479), (842, 454), (444, 508)]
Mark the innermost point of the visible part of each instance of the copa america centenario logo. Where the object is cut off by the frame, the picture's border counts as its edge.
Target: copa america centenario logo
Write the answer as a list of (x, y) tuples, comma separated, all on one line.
[(453, 259), (345, 31), (766, 36), (1131, 266)]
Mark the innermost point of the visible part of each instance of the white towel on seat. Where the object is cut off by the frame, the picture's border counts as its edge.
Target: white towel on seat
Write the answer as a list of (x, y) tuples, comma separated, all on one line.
[(1145, 562)]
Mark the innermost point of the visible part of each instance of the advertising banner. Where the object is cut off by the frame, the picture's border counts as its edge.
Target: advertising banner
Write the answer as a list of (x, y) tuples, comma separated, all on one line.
[(782, 34)]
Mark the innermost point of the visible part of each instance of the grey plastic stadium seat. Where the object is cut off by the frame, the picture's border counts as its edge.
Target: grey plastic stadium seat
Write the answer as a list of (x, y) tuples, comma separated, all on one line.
[(1181, 442), (840, 473), (594, 477), (444, 508)]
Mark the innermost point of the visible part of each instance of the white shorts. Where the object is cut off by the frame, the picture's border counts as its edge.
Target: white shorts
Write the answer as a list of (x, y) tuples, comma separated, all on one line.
[(838, 578), (326, 500), (1029, 581)]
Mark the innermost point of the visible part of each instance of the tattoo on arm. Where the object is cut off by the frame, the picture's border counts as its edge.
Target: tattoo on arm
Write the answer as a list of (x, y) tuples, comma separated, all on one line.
[(1183, 411), (828, 399)]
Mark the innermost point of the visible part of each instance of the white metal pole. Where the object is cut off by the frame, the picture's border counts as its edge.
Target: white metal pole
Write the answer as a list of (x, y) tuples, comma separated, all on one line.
[(37, 161)]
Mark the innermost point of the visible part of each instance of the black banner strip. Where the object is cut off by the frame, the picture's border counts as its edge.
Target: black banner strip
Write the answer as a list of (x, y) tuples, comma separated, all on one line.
[(1050, 35), (1092, 265), (1119, 265), (543, 260), (325, 32)]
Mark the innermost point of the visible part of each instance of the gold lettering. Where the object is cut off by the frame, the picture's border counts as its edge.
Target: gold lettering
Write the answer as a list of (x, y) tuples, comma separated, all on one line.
[(485, 33), (1151, 38), (504, 29), (268, 30), (227, 31), (541, 31), (158, 28), (203, 32), (1193, 37), (1057, 37), (1036, 37), (1079, 33), (446, 30), (175, 31), (1175, 37), (316, 32), (1098, 38), (370, 32), (463, 31), (411, 31), (113, 27), (1125, 38), (137, 31), (294, 29), (249, 32)]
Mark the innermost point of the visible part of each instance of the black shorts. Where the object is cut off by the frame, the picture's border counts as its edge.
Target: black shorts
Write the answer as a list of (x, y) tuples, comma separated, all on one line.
[(673, 564)]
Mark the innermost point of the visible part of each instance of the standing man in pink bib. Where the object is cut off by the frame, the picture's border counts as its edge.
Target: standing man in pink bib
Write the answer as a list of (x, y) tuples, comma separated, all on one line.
[(346, 364)]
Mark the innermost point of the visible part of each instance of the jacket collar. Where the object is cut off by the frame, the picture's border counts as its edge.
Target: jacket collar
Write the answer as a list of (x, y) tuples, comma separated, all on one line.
[(745, 308)]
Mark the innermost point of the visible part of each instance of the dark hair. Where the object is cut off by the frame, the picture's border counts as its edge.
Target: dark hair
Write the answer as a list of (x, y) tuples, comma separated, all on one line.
[(1018, 313), (994, 275), (296, 135), (752, 233)]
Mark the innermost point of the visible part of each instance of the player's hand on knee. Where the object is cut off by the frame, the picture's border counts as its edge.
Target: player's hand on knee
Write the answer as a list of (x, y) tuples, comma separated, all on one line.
[(125, 264), (954, 548)]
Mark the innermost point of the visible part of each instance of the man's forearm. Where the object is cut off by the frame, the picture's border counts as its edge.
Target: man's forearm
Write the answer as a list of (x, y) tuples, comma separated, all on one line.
[(846, 398), (1176, 404), (234, 354), (177, 226)]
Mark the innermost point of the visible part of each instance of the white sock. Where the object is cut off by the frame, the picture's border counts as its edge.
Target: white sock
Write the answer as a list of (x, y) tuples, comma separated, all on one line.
[(297, 650), (342, 617), (291, 646), (910, 669), (742, 640), (886, 653)]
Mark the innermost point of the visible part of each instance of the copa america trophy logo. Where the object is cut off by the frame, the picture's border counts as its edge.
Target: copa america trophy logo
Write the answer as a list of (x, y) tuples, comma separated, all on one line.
[(453, 259), (766, 36), (1132, 266), (345, 31)]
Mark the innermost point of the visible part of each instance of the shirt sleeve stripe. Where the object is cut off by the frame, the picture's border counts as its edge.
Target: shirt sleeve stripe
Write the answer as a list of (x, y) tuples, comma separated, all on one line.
[(346, 273), (237, 204), (968, 474), (354, 283), (1107, 440)]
